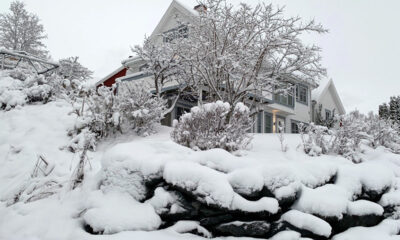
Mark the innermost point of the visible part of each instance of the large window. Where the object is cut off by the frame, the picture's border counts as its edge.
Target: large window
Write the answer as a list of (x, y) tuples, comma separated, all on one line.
[(180, 110), (302, 94), (268, 122), (179, 32), (295, 128), (284, 99), (259, 122), (328, 114)]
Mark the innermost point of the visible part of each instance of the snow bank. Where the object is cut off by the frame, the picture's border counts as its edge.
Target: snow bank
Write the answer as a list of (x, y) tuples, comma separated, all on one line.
[(307, 222)]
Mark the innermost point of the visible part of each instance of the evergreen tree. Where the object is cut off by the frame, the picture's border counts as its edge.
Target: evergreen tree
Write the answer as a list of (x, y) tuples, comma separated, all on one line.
[(394, 109), (384, 111)]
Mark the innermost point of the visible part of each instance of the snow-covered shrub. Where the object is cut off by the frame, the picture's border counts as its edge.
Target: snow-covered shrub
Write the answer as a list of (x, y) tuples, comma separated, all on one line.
[(315, 141), (355, 128), (347, 138), (139, 109), (210, 126), (21, 86), (281, 137), (382, 132), (103, 112)]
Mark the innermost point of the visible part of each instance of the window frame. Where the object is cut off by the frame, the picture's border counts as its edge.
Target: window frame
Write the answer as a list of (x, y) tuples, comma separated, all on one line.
[(292, 121), (278, 99), (259, 124), (328, 114), (174, 33), (268, 115), (298, 96)]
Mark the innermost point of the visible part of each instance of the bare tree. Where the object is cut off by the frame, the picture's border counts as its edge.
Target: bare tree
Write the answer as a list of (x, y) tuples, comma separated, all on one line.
[(22, 31), (238, 52), (70, 68), (162, 63)]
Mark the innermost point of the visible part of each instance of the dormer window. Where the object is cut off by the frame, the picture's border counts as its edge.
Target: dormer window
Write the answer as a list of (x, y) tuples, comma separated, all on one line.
[(179, 32)]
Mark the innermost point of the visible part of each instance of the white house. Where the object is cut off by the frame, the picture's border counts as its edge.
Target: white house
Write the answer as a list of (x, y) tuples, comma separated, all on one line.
[(326, 99), (278, 110)]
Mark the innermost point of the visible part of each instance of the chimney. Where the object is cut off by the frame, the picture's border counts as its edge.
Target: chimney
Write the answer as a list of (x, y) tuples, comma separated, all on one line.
[(200, 8)]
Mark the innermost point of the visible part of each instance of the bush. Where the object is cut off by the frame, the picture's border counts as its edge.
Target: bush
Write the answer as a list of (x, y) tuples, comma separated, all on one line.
[(104, 113), (346, 140), (21, 86), (214, 125)]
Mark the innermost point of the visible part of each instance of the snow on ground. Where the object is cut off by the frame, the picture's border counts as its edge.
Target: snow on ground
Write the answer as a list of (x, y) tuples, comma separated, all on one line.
[(109, 196)]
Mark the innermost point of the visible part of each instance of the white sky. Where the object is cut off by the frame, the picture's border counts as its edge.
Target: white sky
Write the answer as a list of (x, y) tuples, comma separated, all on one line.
[(361, 51)]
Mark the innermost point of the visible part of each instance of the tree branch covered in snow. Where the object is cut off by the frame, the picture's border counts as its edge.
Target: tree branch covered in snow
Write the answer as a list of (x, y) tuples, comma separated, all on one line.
[(234, 52), (71, 69)]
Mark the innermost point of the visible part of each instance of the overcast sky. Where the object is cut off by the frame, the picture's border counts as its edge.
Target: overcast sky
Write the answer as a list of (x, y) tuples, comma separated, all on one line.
[(361, 50)]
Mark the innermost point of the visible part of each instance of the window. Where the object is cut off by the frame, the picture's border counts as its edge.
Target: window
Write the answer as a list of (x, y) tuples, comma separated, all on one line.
[(284, 99), (302, 94), (267, 123), (295, 127), (179, 32), (327, 114), (180, 111), (259, 122), (143, 67)]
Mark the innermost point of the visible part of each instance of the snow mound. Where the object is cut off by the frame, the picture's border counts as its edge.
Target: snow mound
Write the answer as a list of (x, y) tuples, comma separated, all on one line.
[(307, 222), (327, 201), (132, 215), (364, 207), (212, 187), (390, 199)]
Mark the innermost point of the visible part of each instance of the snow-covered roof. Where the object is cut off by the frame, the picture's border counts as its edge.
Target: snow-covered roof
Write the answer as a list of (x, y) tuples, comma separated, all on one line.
[(183, 7), (326, 85), (110, 75), (316, 93)]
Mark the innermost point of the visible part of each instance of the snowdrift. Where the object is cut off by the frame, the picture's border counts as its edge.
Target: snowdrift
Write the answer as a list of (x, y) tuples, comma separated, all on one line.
[(153, 188)]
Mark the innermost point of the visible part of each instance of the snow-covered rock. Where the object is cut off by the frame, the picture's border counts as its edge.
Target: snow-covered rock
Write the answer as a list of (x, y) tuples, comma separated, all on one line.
[(132, 215), (307, 222)]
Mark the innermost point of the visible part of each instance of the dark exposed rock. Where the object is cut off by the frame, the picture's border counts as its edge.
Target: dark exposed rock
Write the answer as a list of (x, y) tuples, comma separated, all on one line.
[(372, 195), (303, 232), (222, 221), (349, 221), (260, 229), (90, 230), (214, 220), (390, 211)]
